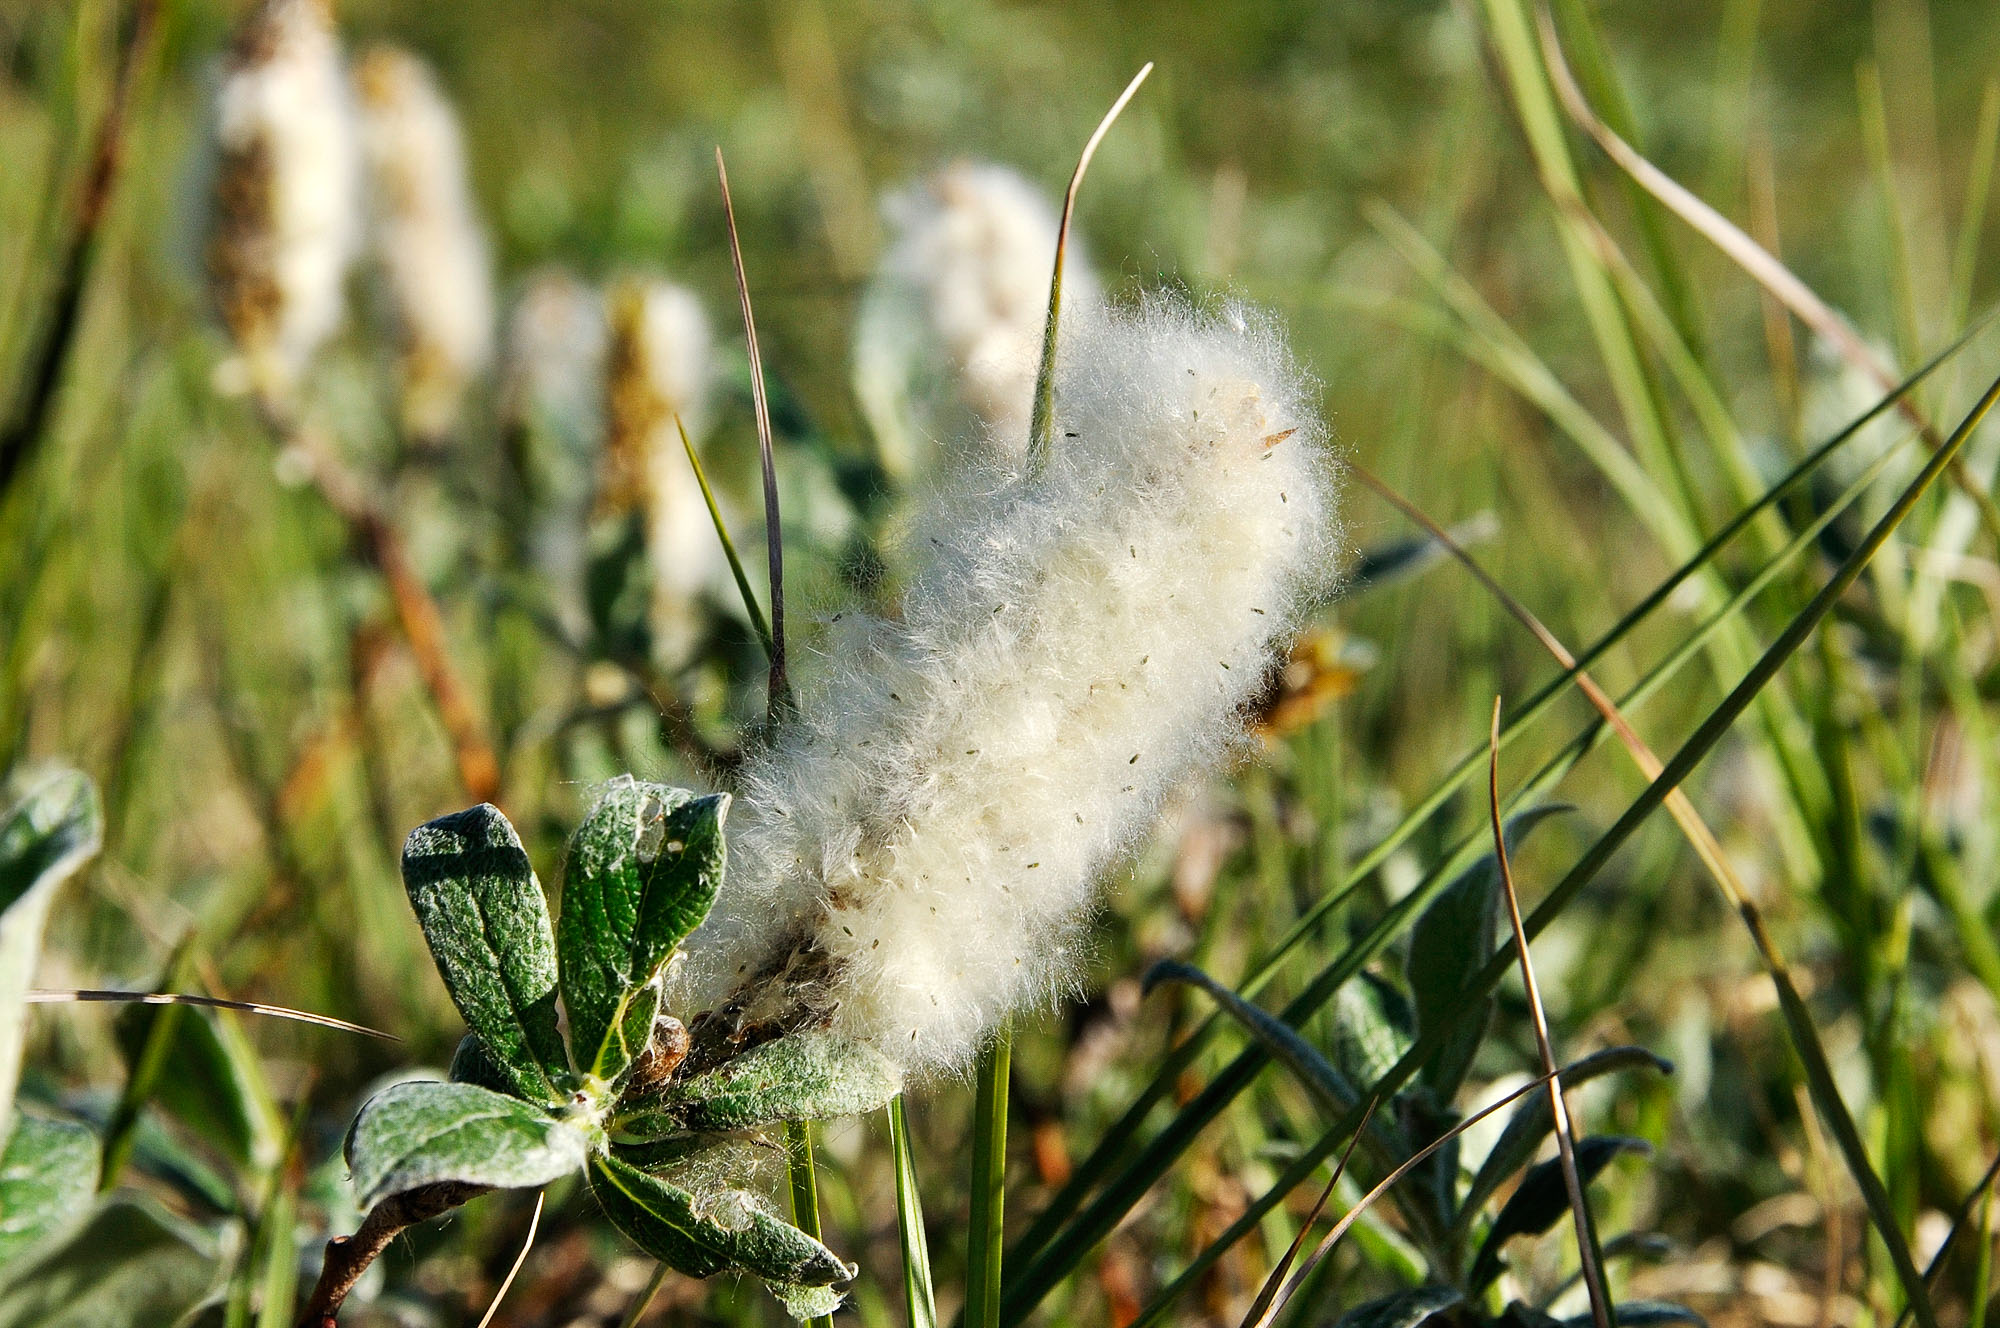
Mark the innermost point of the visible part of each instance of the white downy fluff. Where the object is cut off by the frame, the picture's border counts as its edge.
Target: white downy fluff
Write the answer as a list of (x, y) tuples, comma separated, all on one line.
[(965, 281), (662, 366), (919, 853), (427, 237), (289, 200)]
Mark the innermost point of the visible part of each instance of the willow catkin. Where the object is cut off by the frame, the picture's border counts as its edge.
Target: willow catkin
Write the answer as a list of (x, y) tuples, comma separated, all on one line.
[(958, 303), (918, 852), (426, 236), (288, 197), (660, 369)]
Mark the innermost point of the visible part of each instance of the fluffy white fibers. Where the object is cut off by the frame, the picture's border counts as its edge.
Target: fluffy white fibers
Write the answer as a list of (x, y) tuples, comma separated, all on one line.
[(919, 851), (966, 281), (427, 237), (662, 368), (288, 220)]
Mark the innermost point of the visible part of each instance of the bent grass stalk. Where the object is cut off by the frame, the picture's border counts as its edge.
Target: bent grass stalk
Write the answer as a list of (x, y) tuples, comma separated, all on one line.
[(1589, 1256)]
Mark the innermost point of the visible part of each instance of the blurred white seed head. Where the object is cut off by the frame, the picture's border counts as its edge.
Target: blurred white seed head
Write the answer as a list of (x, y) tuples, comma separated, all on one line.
[(288, 198), (553, 375), (919, 851), (426, 236), (661, 366), (957, 309)]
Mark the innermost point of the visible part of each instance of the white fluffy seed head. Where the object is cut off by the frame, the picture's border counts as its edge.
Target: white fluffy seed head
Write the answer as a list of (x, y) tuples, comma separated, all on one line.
[(661, 367), (288, 204), (553, 374), (919, 851), (427, 238), (959, 303)]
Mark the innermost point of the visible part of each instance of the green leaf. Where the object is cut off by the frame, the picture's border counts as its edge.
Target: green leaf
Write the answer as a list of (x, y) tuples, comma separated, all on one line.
[(1640, 1313), (422, 1133), (654, 1154), (127, 1267), (1543, 1198), (471, 1064), (217, 1087), (805, 1076), (702, 1237), (51, 826), (1534, 1121), (1371, 1028), (1449, 944), (48, 1172), (1405, 1309), (1334, 1090), (643, 870), (487, 924)]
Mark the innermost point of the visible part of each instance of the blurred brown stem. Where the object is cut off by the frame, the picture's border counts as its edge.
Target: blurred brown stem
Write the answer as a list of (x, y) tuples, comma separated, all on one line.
[(416, 612), (27, 420)]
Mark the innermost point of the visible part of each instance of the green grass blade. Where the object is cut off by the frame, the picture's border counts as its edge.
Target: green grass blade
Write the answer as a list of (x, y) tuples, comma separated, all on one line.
[(805, 1188), (750, 604), (1691, 753), (984, 1232), (915, 1246), (1117, 1144)]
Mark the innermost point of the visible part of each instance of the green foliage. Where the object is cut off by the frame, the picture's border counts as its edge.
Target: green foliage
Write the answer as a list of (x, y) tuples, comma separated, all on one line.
[(807, 1076), (217, 1088), (642, 872), (700, 1237), (1449, 944), (1405, 1309), (426, 1133), (487, 924), (1540, 1201), (48, 1172), (127, 1267), (50, 825)]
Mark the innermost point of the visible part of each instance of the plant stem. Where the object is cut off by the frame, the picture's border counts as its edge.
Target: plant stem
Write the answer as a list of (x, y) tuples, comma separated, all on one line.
[(1587, 1252), (348, 1257)]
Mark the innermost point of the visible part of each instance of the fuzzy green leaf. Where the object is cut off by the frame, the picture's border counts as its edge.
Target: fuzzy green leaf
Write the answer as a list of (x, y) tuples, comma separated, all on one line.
[(701, 1237), (642, 873), (1534, 1121), (803, 1077), (1543, 1198), (1405, 1309), (1449, 944), (48, 1172), (51, 825), (127, 1267), (487, 924), (426, 1132), (1371, 1028)]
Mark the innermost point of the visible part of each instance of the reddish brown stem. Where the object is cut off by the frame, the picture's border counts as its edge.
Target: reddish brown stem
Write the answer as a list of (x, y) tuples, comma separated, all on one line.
[(416, 612), (348, 1257)]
